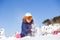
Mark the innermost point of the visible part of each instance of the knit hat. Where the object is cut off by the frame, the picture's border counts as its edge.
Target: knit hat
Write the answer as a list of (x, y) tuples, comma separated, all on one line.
[(28, 14)]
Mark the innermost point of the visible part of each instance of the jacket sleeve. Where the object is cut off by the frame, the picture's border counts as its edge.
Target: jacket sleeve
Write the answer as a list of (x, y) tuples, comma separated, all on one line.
[(24, 28)]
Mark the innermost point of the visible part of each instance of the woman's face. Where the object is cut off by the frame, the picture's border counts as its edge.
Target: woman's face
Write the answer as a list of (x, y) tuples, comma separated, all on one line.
[(28, 19)]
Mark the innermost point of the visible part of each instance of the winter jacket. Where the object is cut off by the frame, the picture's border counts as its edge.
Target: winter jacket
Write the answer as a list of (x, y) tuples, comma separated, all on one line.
[(26, 29)]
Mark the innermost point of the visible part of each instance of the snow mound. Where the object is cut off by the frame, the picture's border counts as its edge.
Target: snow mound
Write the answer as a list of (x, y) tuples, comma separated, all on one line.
[(43, 33)]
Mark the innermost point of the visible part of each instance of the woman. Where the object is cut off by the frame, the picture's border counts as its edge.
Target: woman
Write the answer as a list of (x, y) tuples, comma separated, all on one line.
[(27, 25)]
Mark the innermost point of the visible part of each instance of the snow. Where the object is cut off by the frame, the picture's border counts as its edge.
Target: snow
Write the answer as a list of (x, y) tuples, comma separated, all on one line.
[(38, 34), (48, 37)]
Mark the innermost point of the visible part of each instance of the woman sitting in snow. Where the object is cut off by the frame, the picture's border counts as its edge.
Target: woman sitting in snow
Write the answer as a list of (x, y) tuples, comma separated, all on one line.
[(27, 25)]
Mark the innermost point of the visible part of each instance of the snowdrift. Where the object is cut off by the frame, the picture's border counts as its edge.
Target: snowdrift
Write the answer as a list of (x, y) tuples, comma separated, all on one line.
[(43, 33)]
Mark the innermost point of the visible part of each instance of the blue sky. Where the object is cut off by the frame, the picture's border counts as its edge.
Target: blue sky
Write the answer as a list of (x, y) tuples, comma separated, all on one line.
[(12, 12)]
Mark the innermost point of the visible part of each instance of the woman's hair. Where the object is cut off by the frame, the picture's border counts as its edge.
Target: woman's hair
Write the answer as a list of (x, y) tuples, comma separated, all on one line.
[(24, 20)]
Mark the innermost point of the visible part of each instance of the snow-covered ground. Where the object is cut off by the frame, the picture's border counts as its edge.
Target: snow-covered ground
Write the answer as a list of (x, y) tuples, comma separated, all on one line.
[(49, 37), (37, 32)]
